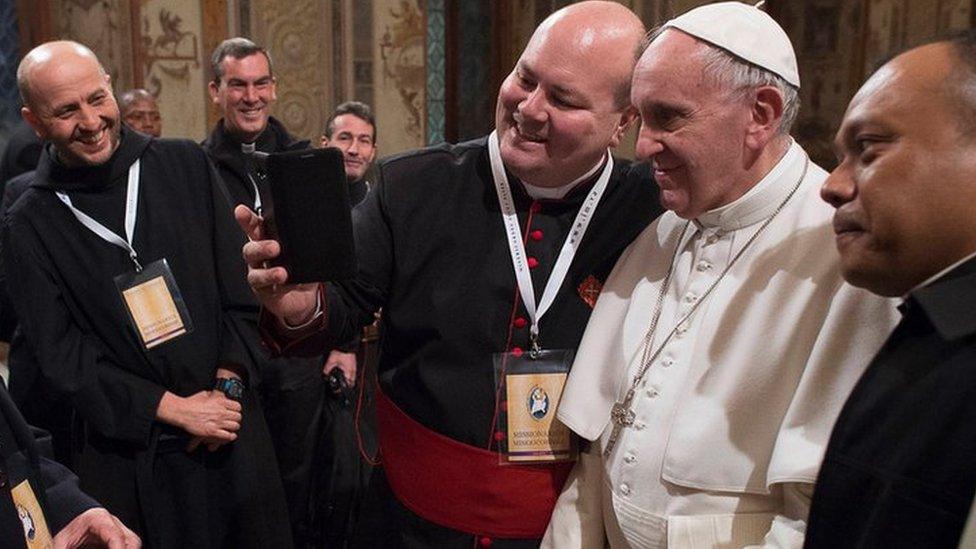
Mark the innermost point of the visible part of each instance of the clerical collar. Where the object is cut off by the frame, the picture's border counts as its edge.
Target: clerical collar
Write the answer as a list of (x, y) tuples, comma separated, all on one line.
[(558, 193), (762, 199), (51, 173), (941, 274)]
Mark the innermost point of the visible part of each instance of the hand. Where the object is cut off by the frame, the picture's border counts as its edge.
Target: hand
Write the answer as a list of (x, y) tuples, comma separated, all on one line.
[(345, 362), (96, 527), (207, 414), (292, 303)]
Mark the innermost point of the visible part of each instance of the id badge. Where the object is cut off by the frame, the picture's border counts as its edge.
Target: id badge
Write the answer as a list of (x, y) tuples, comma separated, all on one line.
[(529, 393), (31, 518), (154, 303)]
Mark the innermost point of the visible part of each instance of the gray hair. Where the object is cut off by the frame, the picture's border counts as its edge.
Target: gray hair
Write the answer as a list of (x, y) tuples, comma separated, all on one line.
[(126, 99), (238, 48), (740, 77), (356, 108)]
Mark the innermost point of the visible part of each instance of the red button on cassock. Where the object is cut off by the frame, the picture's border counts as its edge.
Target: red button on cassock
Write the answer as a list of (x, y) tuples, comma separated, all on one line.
[(520, 323), (499, 435), (517, 351), (536, 235), (535, 207), (485, 542), (532, 262)]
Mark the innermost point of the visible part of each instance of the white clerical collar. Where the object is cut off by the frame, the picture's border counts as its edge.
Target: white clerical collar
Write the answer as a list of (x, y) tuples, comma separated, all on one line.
[(557, 193), (762, 199), (930, 280)]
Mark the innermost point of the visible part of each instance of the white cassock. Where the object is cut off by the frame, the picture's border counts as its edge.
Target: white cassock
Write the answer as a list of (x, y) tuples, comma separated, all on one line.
[(734, 414)]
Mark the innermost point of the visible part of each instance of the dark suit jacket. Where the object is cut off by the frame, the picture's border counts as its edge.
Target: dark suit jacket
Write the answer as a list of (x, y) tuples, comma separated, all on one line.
[(53, 484), (900, 469)]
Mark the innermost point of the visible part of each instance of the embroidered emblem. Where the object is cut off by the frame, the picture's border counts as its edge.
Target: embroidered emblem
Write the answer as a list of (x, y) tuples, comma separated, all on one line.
[(538, 403), (27, 521), (590, 289)]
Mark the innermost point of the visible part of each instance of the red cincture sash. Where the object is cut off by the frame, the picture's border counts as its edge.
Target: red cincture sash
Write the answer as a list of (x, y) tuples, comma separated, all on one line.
[(463, 487)]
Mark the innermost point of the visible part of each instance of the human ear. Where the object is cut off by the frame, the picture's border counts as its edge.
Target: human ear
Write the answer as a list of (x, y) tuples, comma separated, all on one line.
[(626, 120), (766, 117)]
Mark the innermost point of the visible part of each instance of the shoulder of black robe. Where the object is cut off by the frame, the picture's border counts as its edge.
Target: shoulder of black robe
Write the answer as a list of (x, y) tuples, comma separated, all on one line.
[(21, 154), (11, 192)]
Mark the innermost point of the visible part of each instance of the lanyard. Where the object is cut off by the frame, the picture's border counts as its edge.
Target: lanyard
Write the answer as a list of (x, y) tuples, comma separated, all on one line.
[(517, 248), (257, 194), (131, 205), (249, 149)]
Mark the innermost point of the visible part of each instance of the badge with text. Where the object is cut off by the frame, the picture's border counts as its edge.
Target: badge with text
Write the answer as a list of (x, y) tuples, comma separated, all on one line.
[(154, 303), (530, 389), (31, 518)]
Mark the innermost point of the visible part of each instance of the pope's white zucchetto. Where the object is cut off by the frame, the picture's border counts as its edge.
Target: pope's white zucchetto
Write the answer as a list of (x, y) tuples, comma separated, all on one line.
[(744, 31)]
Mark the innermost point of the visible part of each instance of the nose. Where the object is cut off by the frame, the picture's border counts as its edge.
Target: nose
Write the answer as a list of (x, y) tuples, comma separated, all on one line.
[(648, 142), (250, 93), (533, 107), (839, 188), (89, 119), (353, 149)]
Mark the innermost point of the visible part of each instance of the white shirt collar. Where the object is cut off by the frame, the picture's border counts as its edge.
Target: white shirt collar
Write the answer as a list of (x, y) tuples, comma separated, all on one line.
[(762, 199), (557, 193)]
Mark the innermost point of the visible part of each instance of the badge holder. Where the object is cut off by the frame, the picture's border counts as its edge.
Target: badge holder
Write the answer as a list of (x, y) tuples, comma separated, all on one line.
[(154, 304), (529, 388)]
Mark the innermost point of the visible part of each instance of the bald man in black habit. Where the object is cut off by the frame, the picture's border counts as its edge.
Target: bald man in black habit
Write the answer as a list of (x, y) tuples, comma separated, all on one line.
[(129, 286)]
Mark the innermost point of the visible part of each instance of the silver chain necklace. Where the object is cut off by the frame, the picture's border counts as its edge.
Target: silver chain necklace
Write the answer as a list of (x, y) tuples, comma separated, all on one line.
[(622, 414)]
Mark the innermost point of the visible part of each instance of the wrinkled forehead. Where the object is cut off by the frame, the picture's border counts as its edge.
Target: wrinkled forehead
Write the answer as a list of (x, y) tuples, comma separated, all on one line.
[(54, 85)]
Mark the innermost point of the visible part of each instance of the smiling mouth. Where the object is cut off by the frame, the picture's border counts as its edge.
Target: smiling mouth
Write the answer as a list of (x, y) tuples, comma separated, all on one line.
[(664, 170), (91, 140)]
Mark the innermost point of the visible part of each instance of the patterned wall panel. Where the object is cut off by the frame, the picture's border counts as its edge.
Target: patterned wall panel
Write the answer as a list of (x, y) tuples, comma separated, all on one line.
[(400, 79), (9, 59), (105, 26), (297, 33), (435, 71), (173, 60), (216, 27)]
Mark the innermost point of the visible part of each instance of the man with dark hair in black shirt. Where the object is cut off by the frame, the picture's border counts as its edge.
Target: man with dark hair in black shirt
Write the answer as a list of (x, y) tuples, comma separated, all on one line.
[(292, 390), (899, 470)]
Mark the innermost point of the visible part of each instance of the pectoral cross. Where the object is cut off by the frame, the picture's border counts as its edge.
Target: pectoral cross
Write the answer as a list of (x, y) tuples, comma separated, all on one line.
[(622, 416)]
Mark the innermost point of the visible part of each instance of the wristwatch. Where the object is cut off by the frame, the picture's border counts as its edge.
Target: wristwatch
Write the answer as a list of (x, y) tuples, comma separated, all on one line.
[(233, 388)]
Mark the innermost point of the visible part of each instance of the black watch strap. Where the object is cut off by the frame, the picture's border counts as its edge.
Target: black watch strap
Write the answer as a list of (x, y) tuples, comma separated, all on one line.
[(233, 388)]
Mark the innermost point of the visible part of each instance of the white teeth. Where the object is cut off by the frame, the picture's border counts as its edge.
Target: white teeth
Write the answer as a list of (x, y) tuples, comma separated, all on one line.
[(91, 139)]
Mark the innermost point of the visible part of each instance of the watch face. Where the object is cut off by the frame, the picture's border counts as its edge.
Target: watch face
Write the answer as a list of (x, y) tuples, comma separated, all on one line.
[(232, 388), (235, 390)]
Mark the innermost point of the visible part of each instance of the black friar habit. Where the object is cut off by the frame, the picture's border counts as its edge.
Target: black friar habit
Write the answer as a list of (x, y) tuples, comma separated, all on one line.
[(433, 254), (61, 278)]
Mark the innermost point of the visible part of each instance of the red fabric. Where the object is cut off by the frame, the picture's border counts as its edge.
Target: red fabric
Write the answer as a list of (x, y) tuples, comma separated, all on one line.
[(463, 487)]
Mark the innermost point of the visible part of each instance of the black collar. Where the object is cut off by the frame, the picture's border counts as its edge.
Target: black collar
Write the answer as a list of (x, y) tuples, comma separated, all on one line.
[(52, 174), (949, 302)]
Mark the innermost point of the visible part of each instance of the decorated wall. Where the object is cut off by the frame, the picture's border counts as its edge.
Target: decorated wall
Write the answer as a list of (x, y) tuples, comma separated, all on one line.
[(430, 68)]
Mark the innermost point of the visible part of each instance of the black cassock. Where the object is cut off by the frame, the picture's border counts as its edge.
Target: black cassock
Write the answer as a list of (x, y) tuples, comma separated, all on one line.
[(433, 254), (60, 276), (900, 468)]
